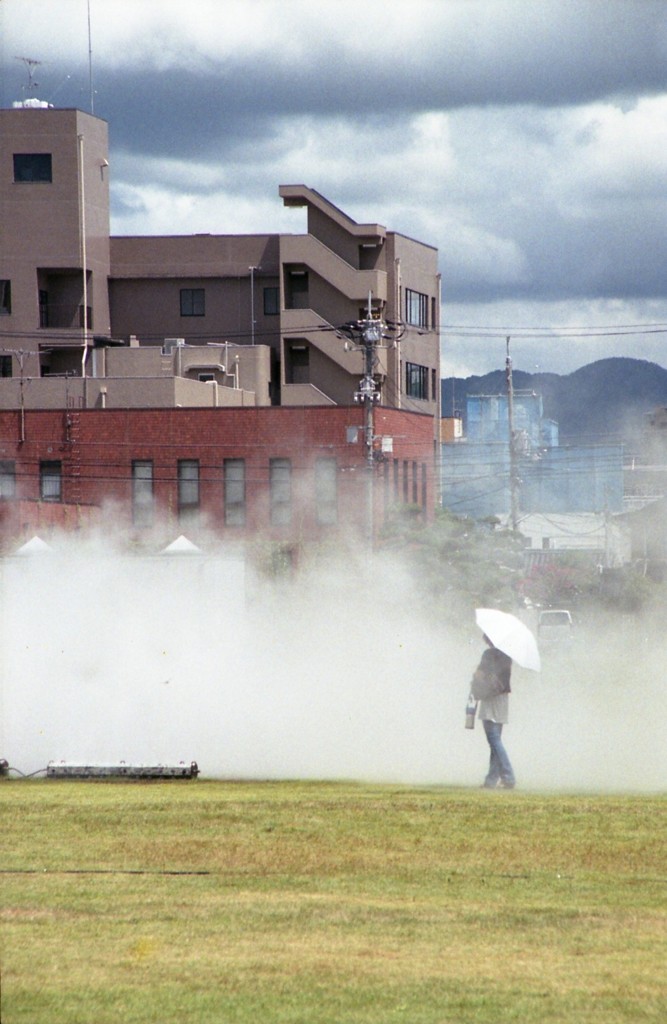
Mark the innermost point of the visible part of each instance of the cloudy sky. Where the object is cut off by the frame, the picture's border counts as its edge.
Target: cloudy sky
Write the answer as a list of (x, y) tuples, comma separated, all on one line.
[(526, 139)]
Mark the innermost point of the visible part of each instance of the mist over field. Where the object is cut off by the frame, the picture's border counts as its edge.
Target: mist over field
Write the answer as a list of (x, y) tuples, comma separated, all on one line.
[(339, 673)]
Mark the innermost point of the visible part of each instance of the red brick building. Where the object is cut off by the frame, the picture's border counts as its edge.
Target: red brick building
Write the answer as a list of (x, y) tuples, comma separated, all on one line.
[(287, 474)]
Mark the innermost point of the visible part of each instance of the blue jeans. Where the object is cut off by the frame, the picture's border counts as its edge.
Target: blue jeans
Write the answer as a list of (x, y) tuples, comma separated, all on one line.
[(500, 769)]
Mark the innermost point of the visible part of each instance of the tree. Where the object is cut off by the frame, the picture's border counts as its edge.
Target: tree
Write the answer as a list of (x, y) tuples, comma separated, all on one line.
[(458, 562)]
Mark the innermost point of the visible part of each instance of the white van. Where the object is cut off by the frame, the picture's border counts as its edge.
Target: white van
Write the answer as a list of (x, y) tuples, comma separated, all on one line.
[(554, 625)]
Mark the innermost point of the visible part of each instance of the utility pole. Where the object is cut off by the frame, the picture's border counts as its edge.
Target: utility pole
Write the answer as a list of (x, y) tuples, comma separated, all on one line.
[(368, 394), (367, 336), (514, 476)]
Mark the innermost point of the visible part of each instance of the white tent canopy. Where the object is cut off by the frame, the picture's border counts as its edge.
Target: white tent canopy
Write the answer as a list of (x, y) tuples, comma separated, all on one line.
[(34, 547), (181, 546)]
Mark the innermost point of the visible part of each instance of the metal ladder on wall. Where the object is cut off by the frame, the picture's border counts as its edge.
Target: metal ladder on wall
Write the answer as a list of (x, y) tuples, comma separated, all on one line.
[(73, 448)]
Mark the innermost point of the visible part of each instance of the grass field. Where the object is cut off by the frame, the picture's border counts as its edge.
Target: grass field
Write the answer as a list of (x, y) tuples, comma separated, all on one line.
[(197, 902)]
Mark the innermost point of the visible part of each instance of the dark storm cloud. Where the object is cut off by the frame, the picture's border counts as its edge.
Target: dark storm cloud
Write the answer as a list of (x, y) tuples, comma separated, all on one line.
[(475, 55), (526, 139), (616, 256)]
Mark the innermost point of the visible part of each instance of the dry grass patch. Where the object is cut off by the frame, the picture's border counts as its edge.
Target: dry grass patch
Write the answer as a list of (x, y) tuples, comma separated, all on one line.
[(221, 902)]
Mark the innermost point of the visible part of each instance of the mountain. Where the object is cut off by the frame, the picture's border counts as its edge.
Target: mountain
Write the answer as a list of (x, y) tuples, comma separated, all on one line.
[(606, 401)]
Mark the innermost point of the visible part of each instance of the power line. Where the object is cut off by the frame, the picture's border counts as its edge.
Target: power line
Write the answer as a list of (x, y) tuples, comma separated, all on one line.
[(551, 333), (456, 330)]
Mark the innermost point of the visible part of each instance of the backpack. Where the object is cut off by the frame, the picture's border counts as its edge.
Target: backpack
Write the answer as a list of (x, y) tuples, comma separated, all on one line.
[(485, 685)]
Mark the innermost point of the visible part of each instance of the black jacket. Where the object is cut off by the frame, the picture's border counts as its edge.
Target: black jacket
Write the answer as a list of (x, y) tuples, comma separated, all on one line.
[(493, 674)]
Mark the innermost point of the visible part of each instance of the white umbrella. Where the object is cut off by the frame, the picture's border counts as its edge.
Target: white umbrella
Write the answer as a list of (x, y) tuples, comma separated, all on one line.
[(510, 635)]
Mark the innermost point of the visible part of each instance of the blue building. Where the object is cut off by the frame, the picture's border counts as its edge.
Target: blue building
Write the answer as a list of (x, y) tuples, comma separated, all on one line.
[(475, 470), (487, 419)]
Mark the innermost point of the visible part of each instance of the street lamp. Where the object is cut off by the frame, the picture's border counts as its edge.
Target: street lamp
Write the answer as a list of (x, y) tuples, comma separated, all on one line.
[(252, 303)]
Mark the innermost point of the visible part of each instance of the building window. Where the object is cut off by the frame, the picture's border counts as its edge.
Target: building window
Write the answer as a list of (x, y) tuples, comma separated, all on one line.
[(43, 308), (142, 492), (5, 366), (326, 498), (32, 167), (234, 477), (50, 481), (193, 302), (188, 488), (7, 479), (271, 301), (5, 298), (280, 480), (416, 308), (416, 380)]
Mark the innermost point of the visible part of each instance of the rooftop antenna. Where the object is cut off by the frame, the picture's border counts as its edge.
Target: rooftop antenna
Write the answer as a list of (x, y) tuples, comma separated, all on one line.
[(90, 65), (30, 64)]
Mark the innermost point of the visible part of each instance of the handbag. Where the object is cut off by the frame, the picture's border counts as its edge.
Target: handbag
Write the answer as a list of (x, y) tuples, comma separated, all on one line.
[(485, 686)]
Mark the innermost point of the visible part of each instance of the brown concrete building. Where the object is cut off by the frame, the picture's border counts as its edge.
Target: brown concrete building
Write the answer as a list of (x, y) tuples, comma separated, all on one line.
[(90, 322), (54, 243)]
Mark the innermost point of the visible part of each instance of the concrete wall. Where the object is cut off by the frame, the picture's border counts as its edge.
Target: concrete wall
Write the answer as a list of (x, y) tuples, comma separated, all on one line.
[(150, 309), (579, 532), (140, 392)]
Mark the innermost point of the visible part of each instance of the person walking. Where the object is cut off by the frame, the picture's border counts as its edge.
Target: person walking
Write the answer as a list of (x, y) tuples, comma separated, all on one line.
[(491, 687)]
